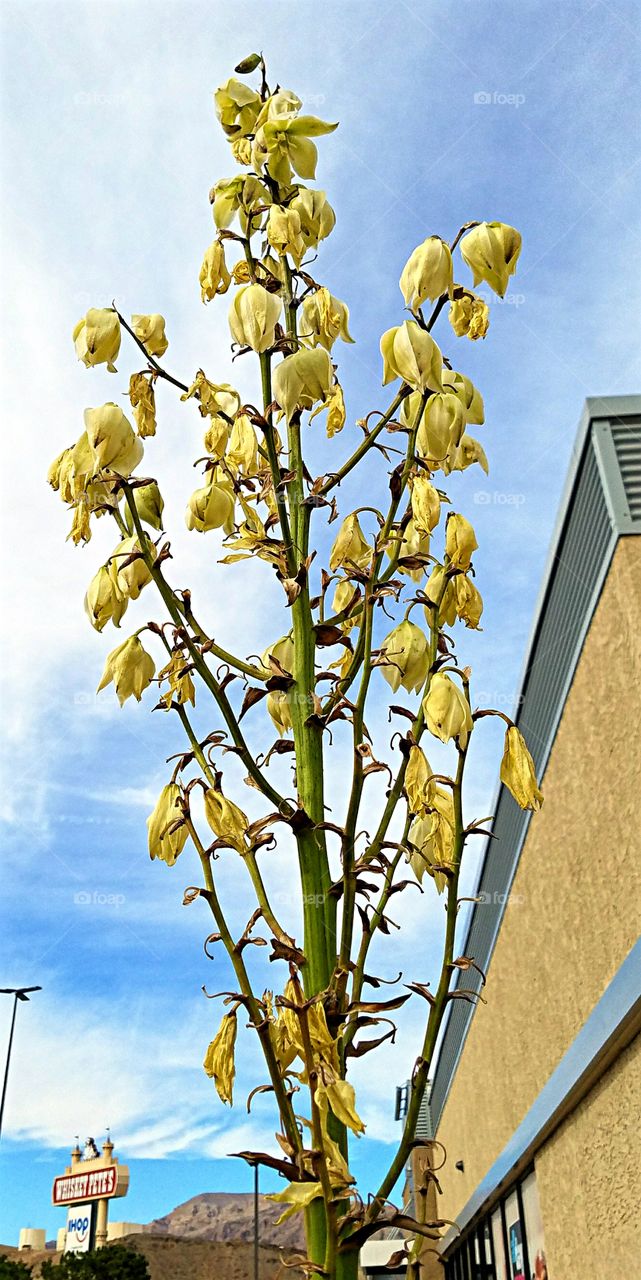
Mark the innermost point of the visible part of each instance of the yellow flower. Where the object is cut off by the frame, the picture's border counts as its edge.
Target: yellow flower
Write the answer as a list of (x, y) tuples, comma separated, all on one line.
[(517, 771), (216, 437), (342, 1099), (240, 273), (279, 710), (131, 575), (150, 330), (407, 659), (297, 1195), (440, 428), (419, 781), (415, 542), (302, 379), (433, 834), (460, 541), (282, 139), (469, 602), (97, 337), (237, 195), (181, 686), (214, 277), (317, 218), (284, 233), (283, 652), (411, 353), (468, 452), (447, 711), (242, 450), (434, 592), (469, 315), (491, 251), (213, 397), (350, 546), (112, 439), (470, 398), (226, 820), (211, 507), (104, 602), (336, 415), (81, 523), (130, 668), (237, 108), (253, 316), (324, 318), (219, 1059), (149, 504), (143, 402), (426, 504), (165, 843), (427, 273)]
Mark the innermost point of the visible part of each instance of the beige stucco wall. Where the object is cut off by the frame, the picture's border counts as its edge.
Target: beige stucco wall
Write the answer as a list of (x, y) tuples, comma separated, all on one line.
[(576, 898), (589, 1180)]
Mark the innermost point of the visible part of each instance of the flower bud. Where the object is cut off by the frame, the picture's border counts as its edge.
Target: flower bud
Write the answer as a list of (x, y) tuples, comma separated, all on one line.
[(112, 440), (447, 711), (149, 504), (517, 771), (427, 273), (219, 1062), (150, 330), (406, 651), (131, 575), (143, 402), (469, 315), (350, 546), (130, 668), (214, 277), (426, 504), (164, 843), (491, 251), (253, 316), (226, 820), (317, 218), (104, 602), (411, 353), (284, 233), (97, 337), (302, 379), (211, 507), (460, 541), (324, 318)]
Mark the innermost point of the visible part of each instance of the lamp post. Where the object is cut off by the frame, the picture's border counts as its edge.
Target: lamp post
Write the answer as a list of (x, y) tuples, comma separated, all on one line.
[(18, 993)]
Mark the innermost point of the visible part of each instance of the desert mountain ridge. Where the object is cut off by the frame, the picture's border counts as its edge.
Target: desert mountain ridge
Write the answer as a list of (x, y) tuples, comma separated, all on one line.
[(225, 1216)]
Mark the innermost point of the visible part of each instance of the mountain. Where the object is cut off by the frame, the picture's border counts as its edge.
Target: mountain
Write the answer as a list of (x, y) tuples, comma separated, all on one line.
[(223, 1216), (171, 1259)]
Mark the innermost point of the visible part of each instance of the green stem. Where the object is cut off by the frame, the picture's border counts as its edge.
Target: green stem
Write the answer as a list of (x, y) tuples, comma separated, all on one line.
[(365, 444)]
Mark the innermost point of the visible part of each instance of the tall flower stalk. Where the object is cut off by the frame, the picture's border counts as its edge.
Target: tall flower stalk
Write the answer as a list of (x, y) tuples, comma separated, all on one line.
[(409, 561)]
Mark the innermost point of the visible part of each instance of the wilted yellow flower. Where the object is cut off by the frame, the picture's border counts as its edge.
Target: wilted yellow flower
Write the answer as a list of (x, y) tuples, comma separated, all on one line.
[(81, 523), (335, 406), (97, 337), (433, 834), (411, 353), (279, 710), (216, 437), (104, 602), (427, 273), (253, 316), (298, 1195), (242, 450), (214, 277), (406, 651), (130, 668), (241, 149), (469, 602), (517, 771), (342, 1099), (212, 507), (419, 781), (491, 251), (240, 272), (181, 686), (219, 1059), (468, 452), (226, 820), (447, 711), (112, 439), (236, 195), (469, 315), (302, 379), (237, 108), (426, 504), (150, 330), (350, 546), (415, 542), (435, 592), (317, 218), (324, 318), (284, 233), (143, 402), (460, 541), (164, 843), (470, 397), (131, 575), (213, 397), (282, 139)]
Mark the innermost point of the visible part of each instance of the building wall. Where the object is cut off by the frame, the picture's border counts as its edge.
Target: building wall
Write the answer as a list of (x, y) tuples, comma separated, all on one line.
[(576, 898), (592, 1228)]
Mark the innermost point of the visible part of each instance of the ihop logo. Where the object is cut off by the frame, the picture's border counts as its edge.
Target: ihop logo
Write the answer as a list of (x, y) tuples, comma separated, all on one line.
[(79, 1227)]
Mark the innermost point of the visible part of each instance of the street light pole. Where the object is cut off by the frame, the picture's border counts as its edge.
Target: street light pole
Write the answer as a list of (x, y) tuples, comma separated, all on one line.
[(256, 1230), (18, 993)]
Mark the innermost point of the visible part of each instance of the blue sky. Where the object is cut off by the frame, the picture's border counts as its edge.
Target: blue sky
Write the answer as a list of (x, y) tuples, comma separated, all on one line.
[(473, 109)]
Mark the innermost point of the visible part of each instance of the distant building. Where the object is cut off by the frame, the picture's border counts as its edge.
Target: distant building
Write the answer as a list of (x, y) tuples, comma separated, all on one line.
[(536, 1095), (32, 1238)]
